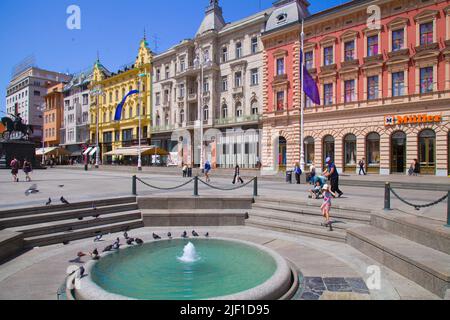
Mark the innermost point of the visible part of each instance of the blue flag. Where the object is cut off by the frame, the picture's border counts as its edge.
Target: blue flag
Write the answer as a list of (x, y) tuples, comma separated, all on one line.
[(119, 108), (309, 85)]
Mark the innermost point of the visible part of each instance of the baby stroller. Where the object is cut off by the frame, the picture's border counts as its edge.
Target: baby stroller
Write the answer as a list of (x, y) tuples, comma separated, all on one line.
[(318, 183)]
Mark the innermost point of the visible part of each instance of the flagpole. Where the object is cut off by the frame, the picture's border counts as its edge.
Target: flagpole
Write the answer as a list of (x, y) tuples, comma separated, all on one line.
[(302, 102)]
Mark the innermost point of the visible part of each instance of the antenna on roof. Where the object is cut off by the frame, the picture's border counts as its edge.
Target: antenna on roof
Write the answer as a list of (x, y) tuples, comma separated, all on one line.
[(98, 56), (145, 35), (259, 5)]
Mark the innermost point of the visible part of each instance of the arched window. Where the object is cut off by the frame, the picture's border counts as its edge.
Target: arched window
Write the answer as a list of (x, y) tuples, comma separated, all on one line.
[(104, 117), (205, 113), (239, 111), (255, 108), (398, 152), (224, 111), (238, 50), (427, 151), (373, 152), (158, 120), (309, 150), (130, 112), (182, 116), (166, 120), (349, 152), (328, 147)]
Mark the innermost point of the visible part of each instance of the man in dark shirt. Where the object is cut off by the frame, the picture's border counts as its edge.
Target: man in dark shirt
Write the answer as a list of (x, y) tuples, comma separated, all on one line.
[(333, 175)]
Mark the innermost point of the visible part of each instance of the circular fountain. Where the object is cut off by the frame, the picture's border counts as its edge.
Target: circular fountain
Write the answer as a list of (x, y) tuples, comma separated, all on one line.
[(180, 269)]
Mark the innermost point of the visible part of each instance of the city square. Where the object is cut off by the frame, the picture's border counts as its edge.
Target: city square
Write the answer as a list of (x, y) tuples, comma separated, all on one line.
[(298, 153)]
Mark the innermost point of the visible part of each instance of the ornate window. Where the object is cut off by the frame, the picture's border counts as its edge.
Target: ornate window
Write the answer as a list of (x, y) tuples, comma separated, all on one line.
[(349, 50), (398, 84), (328, 57), (372, 87), (349, 88), (239, 111), (426, 33), (398, 39), (372, 46), (426, 80), (328, 93)]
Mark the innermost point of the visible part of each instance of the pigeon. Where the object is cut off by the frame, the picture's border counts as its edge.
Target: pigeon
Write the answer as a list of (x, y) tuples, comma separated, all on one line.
[(195, 234), (61, 186), (156, 237), (80, 218), (98, 238), (95, 255), (82, 271), (169, 235), (108, 248), (139, 241), (49, 202), (64, 200), (207, 235), (130, 241), (31, 190), (125, 235), (116, 246), (66, 242), (81, 254), (184, 235), (70, 229), (96, 216), (94, 207)]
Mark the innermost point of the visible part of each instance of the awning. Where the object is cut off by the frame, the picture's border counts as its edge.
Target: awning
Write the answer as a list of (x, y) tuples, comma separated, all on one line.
[(87, 151), (134, 151), (57, 151)]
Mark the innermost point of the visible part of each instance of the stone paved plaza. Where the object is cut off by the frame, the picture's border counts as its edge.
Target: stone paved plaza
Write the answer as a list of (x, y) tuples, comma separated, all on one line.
[(330, 270)]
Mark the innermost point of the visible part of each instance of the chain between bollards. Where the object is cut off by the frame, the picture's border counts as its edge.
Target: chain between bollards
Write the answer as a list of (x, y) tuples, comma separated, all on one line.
[(134, 185), (387, 196), (196, 186)]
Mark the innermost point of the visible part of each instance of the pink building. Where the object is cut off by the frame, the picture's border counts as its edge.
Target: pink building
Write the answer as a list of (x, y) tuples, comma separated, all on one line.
[(384, 86)]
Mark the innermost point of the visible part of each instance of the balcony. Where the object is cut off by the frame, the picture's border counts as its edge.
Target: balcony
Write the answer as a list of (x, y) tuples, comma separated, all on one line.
[(374, 58), (164, 128), (328, 68), (192, 97), (234, 120), (281, 78), (350, 63), (238, 90)]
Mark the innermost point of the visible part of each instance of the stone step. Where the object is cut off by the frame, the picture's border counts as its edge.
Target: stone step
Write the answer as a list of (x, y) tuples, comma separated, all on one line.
[(296, 228), (189, 202), (74, 224), (428, 232), (63, 215), (297, 218), (194, 217), (11, 244), (350, 216), (62, 207), (427, 267), (311, 203), (55, 238)]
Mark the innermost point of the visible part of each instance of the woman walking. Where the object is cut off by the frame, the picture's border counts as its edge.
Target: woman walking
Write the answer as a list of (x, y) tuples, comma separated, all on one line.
[(207, 170), (27, 169), (298, 172), (237, 175)]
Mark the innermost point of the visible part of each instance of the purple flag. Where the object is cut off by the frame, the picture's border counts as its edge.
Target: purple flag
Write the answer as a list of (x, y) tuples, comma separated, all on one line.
[(309, 85)]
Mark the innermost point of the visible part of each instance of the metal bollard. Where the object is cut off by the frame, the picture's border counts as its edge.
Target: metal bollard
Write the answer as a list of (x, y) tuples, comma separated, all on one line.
[(448, 210), (387, 196), (134, 186), (196, 186), (255, 187)]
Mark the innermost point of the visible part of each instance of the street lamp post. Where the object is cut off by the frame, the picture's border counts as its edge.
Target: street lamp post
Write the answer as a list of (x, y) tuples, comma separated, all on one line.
[(201, 61), (42, 109), (97, 92), (140, 88)]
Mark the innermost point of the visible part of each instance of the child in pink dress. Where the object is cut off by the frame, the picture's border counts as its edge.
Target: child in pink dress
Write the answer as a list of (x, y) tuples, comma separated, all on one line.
[(326, 206)]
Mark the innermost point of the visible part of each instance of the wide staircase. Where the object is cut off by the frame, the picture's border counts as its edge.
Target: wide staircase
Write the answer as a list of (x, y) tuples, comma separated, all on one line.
[(305, 218), (42, 226)]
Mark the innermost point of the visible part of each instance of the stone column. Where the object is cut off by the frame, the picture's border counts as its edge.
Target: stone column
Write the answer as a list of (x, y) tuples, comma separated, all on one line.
[(385, 154), (339, 154), (442, 153), (412, 145), (360, 151), (318, 156)]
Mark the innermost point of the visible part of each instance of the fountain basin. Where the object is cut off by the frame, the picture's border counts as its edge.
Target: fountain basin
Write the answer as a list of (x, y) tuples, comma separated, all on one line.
[(225, 270)]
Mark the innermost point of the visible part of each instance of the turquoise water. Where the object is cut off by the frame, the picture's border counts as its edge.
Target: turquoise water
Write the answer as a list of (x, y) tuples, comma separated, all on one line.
[(153, 272)]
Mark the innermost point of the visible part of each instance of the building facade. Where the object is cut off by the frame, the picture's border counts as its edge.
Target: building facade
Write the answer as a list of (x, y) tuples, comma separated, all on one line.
[(53, 115), (25, 95), (216, 77), (107, 91), (384, 86), (75, 127)]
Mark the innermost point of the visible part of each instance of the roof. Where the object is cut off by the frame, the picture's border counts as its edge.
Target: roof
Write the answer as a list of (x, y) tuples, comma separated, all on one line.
[(286, 12)]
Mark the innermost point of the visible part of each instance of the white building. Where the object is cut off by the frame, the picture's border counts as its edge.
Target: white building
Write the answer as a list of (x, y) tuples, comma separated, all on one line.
[(230, 97), (75, 126), (25, 95)]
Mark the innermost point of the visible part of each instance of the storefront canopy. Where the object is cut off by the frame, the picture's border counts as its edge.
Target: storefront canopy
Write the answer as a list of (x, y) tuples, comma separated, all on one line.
[(134, 151), (55, 151)]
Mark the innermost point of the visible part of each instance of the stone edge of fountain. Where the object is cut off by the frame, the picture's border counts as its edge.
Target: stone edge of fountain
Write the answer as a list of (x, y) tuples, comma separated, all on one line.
[(272, 289)]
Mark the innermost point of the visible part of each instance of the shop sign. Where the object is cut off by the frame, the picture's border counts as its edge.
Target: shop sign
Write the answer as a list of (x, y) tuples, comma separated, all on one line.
[(411, 119)]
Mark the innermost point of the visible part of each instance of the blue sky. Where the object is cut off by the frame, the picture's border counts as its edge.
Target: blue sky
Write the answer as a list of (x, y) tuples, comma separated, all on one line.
[(113, 27)]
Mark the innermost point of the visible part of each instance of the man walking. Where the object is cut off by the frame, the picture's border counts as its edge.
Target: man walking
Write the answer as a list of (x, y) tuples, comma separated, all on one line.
[(362, 165), (332, 174), (15, 169)]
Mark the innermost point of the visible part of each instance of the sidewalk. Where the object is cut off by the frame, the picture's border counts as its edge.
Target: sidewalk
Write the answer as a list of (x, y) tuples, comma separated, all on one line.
[(372, 180)]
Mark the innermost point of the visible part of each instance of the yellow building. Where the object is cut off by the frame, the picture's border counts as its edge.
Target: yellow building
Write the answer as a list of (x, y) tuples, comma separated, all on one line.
[(107, 91)]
